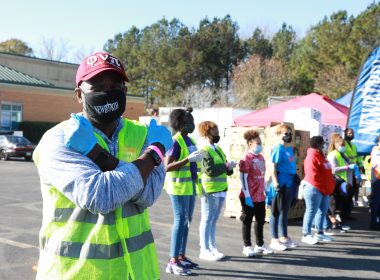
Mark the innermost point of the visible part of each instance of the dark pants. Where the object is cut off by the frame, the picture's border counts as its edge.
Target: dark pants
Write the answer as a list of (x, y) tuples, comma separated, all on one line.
[(246, 217), (356, 189), (375, 202), (278, 223)]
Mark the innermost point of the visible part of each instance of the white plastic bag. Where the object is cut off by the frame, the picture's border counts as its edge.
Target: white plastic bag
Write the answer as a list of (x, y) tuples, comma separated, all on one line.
[(300, 189)]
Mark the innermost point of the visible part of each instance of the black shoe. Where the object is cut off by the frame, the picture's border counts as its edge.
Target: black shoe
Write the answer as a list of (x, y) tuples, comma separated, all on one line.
[(331, 231), (188, 264)]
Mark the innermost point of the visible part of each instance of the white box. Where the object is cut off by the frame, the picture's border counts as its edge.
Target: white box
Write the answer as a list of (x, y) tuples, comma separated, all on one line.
[(310, 113), (311, 125), (327, 130)]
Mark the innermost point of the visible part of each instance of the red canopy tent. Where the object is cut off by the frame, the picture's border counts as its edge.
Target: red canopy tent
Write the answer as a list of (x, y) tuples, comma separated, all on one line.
[(333, 113)]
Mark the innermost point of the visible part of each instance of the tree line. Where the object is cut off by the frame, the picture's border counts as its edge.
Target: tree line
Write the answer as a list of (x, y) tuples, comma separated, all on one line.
[(173, 65), (210, 65)]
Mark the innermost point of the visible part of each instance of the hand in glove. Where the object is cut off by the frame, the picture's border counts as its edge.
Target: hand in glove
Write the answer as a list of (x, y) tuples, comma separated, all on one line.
[(79, 135), (196, 156), (159, 134), (231, 165), (351, 166), (249, 202), (276, 187)]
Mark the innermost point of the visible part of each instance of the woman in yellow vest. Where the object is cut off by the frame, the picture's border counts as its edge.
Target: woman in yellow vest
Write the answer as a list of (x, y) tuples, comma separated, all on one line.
[(214, 182), (181, 180), (341, 168)]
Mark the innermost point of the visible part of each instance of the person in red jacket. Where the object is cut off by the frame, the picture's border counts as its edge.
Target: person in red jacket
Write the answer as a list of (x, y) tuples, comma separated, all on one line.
[(318, 185)]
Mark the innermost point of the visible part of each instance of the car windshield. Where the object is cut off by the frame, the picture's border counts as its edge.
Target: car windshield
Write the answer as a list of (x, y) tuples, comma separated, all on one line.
[(17, 140)]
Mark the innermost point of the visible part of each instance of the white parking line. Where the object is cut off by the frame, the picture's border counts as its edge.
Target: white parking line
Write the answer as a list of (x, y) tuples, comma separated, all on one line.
[(16, 244)]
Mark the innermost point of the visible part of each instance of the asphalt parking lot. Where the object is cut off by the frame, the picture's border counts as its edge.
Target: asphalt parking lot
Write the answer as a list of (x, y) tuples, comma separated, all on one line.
[(353, 255)]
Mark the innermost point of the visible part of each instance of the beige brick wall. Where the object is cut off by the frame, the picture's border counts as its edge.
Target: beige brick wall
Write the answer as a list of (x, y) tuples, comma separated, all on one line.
[(43, 104)]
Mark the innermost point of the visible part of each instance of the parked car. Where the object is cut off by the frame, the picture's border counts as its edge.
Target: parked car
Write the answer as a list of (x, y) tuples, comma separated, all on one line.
[(15, 146)]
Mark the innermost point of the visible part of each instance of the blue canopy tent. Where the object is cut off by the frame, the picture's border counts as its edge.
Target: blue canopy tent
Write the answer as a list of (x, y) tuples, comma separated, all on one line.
[(345, 100)]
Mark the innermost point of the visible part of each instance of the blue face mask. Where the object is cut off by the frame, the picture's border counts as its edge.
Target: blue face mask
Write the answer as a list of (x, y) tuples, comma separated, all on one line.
[(342, 149), (257, 150)]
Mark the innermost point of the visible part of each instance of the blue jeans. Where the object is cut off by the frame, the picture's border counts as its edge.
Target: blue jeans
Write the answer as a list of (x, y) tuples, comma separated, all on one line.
[(211, 207), (183, 208), (326, 221), (279, 224), (317, 205)]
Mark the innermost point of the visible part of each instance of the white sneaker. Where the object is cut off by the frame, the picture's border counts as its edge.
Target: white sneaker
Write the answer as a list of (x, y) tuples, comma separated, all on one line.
[(177, 269), (338, 218), (217, 254), (345, 227), (263, 250), (308, 239), (323, 237), (276, 245), (208, 256), (288, 242), (248, 251)]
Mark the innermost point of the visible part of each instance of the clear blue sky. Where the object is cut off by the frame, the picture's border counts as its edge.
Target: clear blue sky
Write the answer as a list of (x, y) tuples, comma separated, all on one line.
[(86, 25)]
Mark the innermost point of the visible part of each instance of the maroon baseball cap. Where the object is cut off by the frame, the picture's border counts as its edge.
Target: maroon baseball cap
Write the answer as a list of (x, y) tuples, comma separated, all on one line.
[(97, 63)]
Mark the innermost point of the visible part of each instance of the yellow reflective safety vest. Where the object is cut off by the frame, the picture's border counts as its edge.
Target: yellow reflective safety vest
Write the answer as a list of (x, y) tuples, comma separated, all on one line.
[(77, 244), (218, 183), (179, 182), (352, 154), (341, 162), (367, 167)]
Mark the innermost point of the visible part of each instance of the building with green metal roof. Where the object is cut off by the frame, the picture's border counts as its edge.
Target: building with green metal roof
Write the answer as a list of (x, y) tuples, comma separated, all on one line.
[(40, 90)]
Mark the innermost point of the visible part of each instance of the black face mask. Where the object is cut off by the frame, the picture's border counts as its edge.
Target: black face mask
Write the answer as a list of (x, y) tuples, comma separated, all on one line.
[(287, 138), (215, 139), (349, 137), (104, 107), (189, 128)]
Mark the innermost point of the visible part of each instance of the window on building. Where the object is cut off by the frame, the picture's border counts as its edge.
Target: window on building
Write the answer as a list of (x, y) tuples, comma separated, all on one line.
[(11, 115)]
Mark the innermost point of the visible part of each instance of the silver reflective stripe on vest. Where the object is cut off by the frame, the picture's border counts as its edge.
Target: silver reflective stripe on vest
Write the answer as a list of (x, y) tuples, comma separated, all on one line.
[(96, 251), (187, 168), (214, 179), (181, 180), (184, 168), (79, 215)]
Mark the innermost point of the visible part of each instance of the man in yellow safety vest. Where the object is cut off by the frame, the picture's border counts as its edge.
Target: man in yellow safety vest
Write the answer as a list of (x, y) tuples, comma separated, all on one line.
[(99, 172)]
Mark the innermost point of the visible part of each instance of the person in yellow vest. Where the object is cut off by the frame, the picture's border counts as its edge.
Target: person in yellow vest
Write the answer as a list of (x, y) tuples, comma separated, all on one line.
[(342, 168), (215, 169), (181, 184), (375, 187), (367, 167), (352, 154), (99, 172)]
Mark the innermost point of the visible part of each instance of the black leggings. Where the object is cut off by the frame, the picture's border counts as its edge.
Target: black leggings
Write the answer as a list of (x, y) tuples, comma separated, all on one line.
[(246, 217)]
